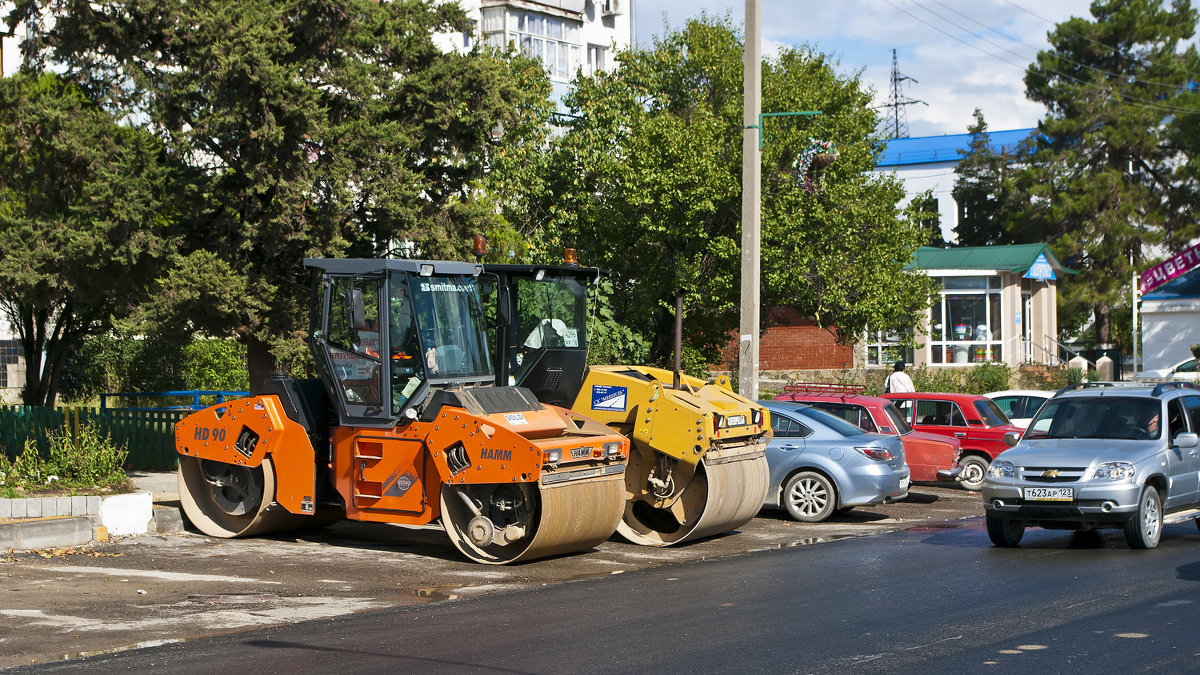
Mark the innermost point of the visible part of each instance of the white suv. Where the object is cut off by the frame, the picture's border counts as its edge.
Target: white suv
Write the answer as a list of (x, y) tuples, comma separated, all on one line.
[(1112, 457)]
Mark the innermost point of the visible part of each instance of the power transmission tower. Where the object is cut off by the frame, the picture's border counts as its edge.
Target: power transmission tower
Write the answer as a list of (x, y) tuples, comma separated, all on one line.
[(897, 119)]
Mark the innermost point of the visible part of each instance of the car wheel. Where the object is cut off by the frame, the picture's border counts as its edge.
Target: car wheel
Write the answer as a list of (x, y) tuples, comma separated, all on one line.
[(1145, 528), (809, 497), (974, 468), (1005, 532)]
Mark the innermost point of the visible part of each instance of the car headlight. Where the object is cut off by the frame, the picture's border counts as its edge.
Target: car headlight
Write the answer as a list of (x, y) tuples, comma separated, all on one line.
[(612, 448), (1113, 471), (1002, 469), (553, 455)]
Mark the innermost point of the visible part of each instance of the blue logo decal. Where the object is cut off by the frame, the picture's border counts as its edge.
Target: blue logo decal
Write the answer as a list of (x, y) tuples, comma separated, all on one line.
[(609, 397)]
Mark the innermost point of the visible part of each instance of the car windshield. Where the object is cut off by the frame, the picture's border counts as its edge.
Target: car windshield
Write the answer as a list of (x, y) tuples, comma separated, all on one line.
[(1115, 417), (832, 421), (897, 419), (991, 413)]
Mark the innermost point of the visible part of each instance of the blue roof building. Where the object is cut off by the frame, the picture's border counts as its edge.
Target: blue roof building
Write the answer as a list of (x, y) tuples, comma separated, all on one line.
[(928, 162), (939, 149)]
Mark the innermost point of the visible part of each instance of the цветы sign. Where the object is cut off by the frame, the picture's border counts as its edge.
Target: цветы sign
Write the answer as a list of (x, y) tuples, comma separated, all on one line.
[(1172, 267)]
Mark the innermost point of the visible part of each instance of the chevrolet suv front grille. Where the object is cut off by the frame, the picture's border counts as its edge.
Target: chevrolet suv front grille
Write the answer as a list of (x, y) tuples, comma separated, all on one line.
[(1050, 474)]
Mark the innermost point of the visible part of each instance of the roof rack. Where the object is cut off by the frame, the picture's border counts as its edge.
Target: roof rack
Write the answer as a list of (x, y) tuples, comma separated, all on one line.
[(1160, 388), (822, 388), (1094, 385)]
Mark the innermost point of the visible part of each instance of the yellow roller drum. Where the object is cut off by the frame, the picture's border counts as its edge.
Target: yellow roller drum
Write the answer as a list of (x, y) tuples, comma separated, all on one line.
[(724, 494), (228, 500), (501, 524)]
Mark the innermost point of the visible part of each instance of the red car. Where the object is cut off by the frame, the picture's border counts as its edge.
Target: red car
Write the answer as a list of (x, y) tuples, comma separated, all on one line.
[(926, 453), (976, 421)]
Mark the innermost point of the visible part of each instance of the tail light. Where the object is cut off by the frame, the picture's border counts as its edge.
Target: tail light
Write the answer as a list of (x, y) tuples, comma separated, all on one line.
[(718, 422), (757, 416), (872, 452)]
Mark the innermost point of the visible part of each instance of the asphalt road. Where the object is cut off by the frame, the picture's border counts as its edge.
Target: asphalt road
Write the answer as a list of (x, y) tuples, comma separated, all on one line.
[(151, 589), (926, 599)]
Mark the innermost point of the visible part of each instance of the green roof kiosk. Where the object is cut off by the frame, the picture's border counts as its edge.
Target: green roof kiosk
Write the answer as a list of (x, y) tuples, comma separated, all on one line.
[(996, 304)]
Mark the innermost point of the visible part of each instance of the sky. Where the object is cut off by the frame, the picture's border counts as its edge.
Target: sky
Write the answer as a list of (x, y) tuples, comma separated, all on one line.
[(960, 54)]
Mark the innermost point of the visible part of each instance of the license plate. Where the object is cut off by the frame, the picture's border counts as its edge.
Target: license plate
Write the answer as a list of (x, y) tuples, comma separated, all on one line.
[(1049, 494)]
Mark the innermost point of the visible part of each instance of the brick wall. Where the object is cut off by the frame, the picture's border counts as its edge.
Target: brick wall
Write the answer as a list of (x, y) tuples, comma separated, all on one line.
[(793, 342)]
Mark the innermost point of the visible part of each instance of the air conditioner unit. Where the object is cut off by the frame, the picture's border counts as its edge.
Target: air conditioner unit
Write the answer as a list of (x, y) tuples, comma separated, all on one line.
[(610, 7)]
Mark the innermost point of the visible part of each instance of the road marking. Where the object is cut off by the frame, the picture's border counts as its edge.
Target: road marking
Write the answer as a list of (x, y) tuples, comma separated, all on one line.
[(1131, 635)]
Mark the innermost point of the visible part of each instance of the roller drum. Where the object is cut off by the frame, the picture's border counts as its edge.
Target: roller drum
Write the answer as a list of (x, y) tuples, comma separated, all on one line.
[(720, 497), (226, 500), (563, 518)]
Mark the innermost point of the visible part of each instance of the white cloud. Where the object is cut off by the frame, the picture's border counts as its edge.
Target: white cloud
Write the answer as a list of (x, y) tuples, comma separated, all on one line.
[(962, 54)]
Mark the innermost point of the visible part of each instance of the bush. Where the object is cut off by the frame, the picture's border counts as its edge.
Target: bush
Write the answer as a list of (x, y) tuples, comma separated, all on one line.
[(1075, 375), (938, 379), (987, 377), (86, 460)]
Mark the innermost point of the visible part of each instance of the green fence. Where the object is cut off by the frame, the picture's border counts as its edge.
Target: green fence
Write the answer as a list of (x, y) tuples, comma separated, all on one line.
[(149, 435)]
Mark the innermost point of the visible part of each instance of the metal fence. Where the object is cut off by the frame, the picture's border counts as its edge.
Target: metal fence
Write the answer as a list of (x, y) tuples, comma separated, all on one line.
[(148, 435)]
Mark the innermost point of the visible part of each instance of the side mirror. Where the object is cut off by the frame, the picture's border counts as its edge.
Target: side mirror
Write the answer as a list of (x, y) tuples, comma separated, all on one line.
[(1011, 438), (1187, 440)]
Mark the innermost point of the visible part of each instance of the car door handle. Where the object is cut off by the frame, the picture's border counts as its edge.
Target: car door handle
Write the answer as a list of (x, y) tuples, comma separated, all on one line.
[(959, 434), (788, 447)]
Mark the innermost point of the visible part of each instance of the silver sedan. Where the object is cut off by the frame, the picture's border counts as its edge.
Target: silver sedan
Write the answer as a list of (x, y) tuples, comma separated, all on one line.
[(821, 464)]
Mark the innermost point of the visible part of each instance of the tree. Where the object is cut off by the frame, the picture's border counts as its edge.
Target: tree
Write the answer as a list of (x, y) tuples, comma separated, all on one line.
[(1101, 182), (985, 192), (316, 128), (85, 206), (646, 182), (923, 210)]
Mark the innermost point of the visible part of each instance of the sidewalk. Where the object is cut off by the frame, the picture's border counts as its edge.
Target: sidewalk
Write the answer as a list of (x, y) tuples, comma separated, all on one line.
[(59, 522)]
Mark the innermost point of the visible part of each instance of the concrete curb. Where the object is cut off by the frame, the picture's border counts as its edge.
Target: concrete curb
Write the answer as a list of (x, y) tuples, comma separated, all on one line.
[(25, 523), (51, 532)]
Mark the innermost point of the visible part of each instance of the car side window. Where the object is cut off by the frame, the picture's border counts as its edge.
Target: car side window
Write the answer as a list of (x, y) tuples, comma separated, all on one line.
[(857, 415), (1176, 421), (864, 419), (1192, 404), (1189, 367), (905, 406), (786, 427), (940, 413), (1011, 405)]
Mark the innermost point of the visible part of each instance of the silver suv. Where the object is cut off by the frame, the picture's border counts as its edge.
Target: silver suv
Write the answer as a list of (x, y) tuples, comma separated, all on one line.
[(1113, 457)]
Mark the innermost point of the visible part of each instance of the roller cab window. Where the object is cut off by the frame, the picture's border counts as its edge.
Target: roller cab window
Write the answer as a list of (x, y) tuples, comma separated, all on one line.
[(449, 326), (353, 342)]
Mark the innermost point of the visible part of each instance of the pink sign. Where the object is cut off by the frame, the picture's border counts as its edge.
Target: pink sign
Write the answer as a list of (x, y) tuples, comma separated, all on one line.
[(1170, 268)]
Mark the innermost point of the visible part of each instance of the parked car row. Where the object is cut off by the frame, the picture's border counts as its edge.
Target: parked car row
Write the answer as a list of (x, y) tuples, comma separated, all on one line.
[(833, 445), (1091, 456)]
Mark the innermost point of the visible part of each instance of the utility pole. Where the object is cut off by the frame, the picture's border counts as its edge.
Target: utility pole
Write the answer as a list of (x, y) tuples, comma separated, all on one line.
[(751, 217)]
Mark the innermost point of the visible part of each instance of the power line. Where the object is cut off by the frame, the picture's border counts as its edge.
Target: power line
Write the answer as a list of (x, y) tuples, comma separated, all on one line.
[(1106, 73), (1131, 100)]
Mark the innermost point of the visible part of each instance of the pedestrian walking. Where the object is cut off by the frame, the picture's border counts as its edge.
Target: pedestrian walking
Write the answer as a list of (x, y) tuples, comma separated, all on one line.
[(898, 382)]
